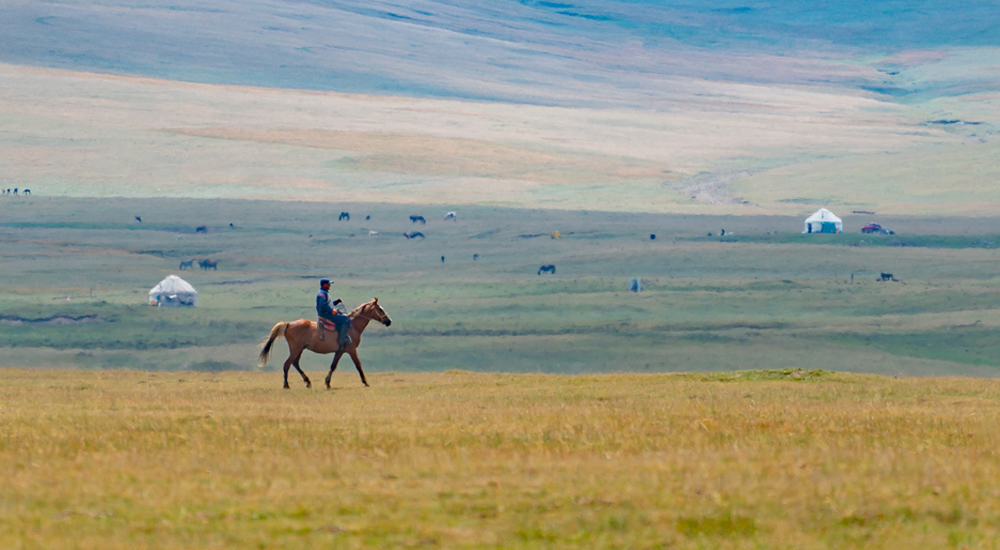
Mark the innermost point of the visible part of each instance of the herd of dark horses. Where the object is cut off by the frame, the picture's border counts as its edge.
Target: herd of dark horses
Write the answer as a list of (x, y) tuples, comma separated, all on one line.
[(205, 265), (414, 218), (23, 191)]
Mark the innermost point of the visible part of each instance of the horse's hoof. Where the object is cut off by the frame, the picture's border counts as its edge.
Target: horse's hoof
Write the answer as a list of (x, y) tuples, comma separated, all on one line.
[(287, 387)]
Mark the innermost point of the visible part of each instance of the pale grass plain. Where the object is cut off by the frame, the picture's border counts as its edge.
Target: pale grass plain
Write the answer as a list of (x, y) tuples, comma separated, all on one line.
[(84, 135), (774, 459)]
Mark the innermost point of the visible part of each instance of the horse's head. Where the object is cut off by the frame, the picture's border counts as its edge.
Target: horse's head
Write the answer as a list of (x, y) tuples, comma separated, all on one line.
[(376, 312)]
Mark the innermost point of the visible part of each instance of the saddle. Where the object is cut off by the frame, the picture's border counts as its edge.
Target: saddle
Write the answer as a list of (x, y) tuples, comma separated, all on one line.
[(324, 325)]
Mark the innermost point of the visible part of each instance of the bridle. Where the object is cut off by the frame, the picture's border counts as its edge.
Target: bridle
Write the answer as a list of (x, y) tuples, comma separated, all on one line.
[(370, 317)]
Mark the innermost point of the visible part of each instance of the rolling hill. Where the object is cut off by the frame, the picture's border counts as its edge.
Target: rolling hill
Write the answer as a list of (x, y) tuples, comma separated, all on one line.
[(716, 107)]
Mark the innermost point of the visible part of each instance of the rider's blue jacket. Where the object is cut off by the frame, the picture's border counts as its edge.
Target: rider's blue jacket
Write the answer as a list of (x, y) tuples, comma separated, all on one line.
[(323, 307)]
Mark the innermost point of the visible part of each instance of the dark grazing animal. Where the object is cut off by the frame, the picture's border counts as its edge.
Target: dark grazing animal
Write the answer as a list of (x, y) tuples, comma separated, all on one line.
[(547, 269), (344, 216), (27, 191), (303, 334), (415, 219), (368, 217), (186, 264), (413, 235), (138, 219), (209, 264), (475, 257), (886, 277), (201, 229)]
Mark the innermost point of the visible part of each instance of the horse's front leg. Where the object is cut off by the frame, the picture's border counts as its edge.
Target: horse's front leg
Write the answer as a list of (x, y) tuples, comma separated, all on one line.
[(357, 363), (333, 367)]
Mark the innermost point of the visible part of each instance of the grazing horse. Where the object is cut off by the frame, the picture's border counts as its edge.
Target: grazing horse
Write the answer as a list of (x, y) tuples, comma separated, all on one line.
[(26, 192), (547, 269), (186, 264), (302, 335), (415, 219), (413, 235), (451, 216), (201, 229), (344, 216), (208, 264)]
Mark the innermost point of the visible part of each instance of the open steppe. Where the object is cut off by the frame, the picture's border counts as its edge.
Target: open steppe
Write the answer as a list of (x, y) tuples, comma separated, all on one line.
[(777, 459), (724, 148), (763, 296)]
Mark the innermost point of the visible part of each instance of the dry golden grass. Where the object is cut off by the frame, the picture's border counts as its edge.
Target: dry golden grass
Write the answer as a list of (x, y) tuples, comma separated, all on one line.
[(125, 459)]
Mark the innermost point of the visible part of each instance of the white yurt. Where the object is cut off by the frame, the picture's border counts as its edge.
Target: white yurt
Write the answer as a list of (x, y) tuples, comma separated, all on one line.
[(173, 292), (823, 221)]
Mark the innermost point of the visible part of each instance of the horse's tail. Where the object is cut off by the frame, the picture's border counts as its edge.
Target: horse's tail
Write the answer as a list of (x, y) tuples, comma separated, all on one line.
[(277, 332)]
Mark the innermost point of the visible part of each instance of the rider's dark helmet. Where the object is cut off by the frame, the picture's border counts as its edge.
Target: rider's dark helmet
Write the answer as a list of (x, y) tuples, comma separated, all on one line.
[(324, 281)]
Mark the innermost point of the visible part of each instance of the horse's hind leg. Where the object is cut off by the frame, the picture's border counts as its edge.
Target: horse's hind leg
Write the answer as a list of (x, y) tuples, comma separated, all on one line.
[(288, 364), (333, 367), (309, 384), (357, 363)]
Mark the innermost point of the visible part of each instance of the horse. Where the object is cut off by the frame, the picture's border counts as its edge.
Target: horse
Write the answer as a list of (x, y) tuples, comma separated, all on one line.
[(414, 235), (451, 216), (344, 216), (373, 233), (302, 335), (547, 269), (26, 192), (415, 219), (208, 264), (201, 229), (186, 264), (138, 219)]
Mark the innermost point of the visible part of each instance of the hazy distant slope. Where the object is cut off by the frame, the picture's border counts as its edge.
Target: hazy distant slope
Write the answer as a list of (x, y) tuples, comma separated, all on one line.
[(552, 52)]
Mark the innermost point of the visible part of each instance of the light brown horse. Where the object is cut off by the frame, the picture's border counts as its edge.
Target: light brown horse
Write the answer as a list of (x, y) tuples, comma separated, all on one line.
[(302, 335)]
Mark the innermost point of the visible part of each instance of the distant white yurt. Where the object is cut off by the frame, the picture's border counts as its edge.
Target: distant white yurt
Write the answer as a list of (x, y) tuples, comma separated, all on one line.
[(823, 221), (173, 292)]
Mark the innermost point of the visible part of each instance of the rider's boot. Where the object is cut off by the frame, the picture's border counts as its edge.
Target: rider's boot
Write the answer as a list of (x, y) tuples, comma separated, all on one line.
[(344, 338)]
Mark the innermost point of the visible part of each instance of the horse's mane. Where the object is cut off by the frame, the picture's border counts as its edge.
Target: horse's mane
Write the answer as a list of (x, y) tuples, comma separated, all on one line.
[(354, 312)]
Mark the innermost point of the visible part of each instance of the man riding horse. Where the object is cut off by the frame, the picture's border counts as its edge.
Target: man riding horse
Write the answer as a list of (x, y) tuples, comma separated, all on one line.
[(335, 313)]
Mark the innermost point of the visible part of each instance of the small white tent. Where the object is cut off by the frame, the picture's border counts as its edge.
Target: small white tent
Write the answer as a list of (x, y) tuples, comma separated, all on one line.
[(823, 221), (173, 292)]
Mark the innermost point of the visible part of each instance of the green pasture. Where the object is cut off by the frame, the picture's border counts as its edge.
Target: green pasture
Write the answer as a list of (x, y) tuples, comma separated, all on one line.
[(76, 273)]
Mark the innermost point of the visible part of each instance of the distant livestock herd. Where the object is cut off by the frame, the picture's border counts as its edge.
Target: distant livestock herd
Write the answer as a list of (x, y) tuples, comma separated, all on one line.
[(206, 264)]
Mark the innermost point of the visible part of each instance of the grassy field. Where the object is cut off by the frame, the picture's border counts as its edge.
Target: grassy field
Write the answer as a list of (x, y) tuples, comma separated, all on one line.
[(718, 148), (774, 459), (77, 272)]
